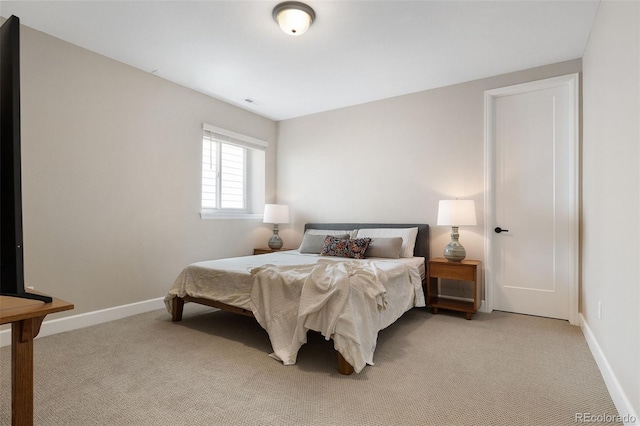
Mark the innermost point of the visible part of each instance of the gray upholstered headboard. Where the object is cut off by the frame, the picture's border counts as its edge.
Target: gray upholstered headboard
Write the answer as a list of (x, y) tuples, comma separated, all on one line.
[(422, 240)]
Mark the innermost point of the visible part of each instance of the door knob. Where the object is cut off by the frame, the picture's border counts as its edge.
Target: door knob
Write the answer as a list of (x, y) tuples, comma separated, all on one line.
[(499, 230)]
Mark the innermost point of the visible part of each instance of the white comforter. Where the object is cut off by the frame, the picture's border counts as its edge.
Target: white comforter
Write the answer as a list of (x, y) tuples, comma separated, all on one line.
[(288, 293), (343, 301)]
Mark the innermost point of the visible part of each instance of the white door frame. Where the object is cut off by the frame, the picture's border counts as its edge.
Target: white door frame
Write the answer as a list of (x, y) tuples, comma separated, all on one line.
[(490, 96)]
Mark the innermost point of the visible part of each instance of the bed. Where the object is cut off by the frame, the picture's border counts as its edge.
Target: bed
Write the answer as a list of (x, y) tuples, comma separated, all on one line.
[(290, 292)]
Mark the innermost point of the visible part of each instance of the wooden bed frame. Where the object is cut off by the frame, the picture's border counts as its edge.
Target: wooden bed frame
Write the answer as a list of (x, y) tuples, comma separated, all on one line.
[(421, 250), (178, 304)]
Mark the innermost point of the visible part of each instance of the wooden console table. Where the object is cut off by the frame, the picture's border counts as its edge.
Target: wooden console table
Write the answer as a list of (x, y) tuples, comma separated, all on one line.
[(25, 317)]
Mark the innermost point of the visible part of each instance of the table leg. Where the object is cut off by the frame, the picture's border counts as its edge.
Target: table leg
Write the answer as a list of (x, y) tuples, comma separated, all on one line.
[(22, 334)]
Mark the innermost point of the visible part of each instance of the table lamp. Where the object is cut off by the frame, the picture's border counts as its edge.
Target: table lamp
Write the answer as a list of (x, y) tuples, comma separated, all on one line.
[(276, 214), (456, 213)]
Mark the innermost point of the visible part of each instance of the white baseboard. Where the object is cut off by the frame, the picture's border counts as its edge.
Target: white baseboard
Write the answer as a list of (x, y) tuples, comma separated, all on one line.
[(619, 397), (75, 322)]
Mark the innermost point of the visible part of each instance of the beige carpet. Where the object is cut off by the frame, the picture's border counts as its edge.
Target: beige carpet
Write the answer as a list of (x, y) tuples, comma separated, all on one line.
[(213, 369)]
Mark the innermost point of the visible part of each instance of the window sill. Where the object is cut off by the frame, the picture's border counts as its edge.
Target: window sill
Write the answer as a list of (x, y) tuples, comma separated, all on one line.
[(208, 214)]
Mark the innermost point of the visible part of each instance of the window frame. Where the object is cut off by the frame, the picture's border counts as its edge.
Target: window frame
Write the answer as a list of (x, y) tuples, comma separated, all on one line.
[(222, 136)]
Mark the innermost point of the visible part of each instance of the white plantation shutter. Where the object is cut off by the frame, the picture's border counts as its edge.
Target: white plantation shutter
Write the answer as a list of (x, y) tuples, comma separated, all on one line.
[(224, 169), (232, 177)]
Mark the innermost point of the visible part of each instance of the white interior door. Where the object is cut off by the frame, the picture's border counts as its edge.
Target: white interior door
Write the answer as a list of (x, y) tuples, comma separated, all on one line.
[(533, 260)]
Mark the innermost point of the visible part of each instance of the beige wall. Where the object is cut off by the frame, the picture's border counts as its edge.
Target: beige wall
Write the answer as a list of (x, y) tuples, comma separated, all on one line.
[(392, 160), (111, 177), (611, 190)]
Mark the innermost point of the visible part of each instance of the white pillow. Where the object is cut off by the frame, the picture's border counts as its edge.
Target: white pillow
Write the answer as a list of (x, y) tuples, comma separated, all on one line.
[(408, 237)]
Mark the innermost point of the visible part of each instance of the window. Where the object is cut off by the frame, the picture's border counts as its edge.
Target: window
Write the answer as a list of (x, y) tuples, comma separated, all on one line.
[(223, 175), (232, 173)]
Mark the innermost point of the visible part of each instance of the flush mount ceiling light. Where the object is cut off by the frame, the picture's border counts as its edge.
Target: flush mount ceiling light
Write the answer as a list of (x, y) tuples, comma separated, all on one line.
[(293, 17)]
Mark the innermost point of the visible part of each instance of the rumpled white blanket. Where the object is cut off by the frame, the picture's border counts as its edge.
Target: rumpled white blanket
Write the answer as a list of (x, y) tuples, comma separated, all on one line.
[(342, 300)]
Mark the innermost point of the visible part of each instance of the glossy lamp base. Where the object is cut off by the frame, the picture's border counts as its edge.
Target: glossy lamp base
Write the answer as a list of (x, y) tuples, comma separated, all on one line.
[(275, 242), (454, 252)]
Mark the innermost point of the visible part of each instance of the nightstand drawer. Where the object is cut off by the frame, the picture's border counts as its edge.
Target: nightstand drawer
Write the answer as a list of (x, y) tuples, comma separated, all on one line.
[(456, 272)]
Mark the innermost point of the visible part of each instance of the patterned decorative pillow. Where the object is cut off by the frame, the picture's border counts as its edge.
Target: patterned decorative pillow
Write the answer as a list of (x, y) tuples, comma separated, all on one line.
[(354, 248)]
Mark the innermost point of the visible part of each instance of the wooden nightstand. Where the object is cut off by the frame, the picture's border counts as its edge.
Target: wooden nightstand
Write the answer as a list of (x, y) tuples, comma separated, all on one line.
[(467, 270), (265, 250)]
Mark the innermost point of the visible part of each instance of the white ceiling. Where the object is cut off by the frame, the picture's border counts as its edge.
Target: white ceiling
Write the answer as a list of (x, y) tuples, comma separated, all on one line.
[(355, 51)]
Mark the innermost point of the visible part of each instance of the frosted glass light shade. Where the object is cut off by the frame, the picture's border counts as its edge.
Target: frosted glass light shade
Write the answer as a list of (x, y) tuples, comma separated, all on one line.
[(276, 213), (293, 17), (457, 213)]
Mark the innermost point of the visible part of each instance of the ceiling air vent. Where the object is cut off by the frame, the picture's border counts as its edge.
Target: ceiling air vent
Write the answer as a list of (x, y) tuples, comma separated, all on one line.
[(252, 101)]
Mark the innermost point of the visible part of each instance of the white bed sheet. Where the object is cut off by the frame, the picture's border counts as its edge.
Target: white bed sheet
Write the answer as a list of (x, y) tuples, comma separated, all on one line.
[(230, 281)]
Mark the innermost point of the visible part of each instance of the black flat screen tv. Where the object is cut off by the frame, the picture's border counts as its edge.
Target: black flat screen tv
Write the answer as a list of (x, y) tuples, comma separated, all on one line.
[(11, 243)]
